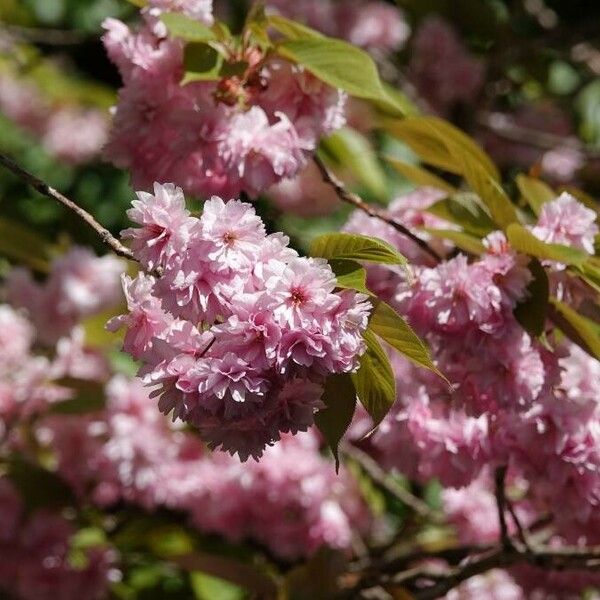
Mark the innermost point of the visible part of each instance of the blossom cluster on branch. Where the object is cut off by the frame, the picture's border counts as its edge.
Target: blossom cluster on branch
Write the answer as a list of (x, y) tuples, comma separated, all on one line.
[(238, 332), (243, 132)]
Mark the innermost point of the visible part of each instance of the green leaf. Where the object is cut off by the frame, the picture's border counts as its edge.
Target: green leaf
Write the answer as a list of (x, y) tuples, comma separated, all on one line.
[(23, 245), (374, 381), (332, 421), (461, 240), (206, 587), (349, 274), (391, 327), (169, 540), (342, 66), (354, 151), (531, 313), (524, 241), (464, 210), (355, 247), (581, 330), (420, 176), (439, 143), (536, 192), (291, 29), (489, 190), (138, 3), (201, 62), (186, 28), (89, 397)]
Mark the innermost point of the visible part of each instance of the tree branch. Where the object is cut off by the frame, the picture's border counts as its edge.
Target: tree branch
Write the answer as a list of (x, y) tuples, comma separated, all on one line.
[(346, 196), (381, 478), (44, 189), (499, 479)]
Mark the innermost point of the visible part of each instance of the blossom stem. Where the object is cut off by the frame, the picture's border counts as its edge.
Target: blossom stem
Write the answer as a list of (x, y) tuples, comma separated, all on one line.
[(46, 190), (346, 196)]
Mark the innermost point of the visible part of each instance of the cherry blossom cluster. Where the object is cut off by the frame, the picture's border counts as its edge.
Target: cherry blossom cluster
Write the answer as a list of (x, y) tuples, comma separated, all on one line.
[(35, 559), (442, 69), (238, 332), (79, 286), (70, 133), (244, 132), (41, 336), (514, 400), (370, 24), (292, 501)]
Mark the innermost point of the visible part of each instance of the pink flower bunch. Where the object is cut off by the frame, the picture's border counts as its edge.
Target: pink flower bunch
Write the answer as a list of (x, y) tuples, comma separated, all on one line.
[(238, 332), (291, 501), (371, 24), (72, 134), (34, 555), (513, 400), (442, 69), (242, 133), (566, 221), (80, 285)]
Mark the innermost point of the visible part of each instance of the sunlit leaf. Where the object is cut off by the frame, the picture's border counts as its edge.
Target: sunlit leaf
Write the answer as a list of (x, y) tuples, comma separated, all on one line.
[(391, 327), (292, 29), (581, 330), (206, 587), (460, 239), (535, 191), (524, 241), (349, 274), (342, 66), (355, 247), (186, 28)]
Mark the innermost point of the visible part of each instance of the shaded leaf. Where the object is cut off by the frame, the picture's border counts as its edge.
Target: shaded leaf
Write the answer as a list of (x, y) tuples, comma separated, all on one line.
[(354, 151), (531, 313), (318, 578), (332, 421), (420, 176), (350, 275), (355, 247), (464, 210), (23, 245), (522, 240), (374, 381), (201, 63), (89, 397), (38, 487)]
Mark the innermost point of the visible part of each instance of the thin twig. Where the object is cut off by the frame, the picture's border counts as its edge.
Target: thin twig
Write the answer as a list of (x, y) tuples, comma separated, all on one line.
[(44, 189), (499, 478), (520, 529), (350, 198), (383, 479)]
